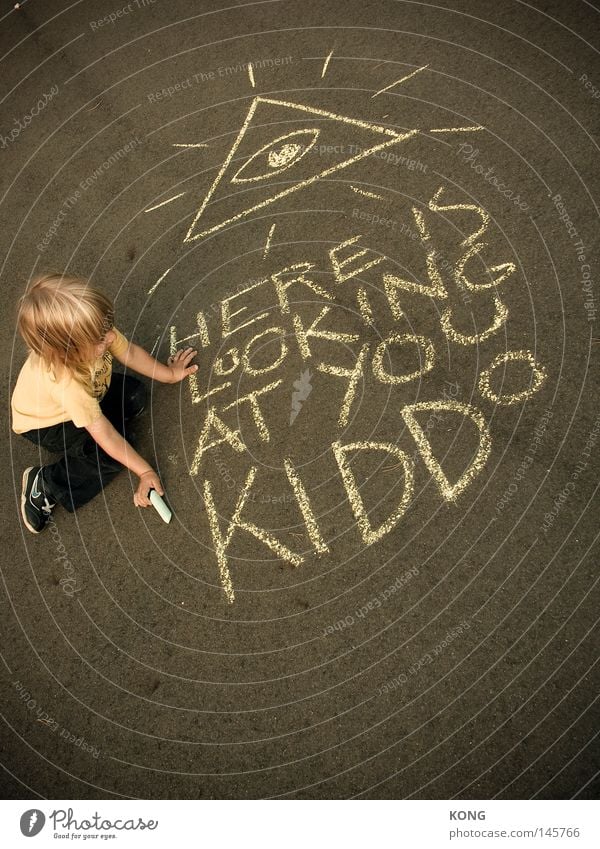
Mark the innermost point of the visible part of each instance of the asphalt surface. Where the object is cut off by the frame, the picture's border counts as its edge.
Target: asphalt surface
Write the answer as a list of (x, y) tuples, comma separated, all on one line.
[(455, 655)]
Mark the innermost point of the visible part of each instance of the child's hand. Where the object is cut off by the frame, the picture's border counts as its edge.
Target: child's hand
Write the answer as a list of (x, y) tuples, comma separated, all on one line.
[(179, 364), (149, 480)]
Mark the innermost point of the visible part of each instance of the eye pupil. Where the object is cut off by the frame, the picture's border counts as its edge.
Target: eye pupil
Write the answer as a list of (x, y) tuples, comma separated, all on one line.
[(281, 153), (281, 157)]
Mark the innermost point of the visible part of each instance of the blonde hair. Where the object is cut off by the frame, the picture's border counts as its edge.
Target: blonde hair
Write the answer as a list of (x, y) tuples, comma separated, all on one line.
[(61, 319)]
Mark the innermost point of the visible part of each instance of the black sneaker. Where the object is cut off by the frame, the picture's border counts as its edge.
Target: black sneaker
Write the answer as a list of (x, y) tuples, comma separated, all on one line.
[(36, 508)]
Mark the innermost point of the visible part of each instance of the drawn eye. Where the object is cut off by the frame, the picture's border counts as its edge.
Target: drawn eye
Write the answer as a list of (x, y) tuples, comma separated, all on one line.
[(280, 154)]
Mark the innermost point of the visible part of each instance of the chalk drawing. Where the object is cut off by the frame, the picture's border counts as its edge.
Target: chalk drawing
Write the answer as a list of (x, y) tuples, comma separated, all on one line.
[(472, 129), (220, 367), (364, 306), (261, 350), (391, 137), (227, 315)]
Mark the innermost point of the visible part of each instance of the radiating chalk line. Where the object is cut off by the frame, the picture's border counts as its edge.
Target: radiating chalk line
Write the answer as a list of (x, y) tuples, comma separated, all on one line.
[(189, 145), (164, 202), (326, 65), (251, 75), (366, 194), (456, 129), (159, 281), (268, 242), (401, 80)]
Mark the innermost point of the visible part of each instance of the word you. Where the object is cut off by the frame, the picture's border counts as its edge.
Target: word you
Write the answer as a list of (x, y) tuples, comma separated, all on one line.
[(25, 121), (113, 17)]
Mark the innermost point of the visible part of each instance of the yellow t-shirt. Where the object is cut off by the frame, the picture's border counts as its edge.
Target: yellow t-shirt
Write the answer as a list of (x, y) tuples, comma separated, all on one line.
[(41, 400)]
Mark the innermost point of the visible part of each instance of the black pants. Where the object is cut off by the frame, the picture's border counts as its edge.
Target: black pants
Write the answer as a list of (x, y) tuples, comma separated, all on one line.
[(85, 469)]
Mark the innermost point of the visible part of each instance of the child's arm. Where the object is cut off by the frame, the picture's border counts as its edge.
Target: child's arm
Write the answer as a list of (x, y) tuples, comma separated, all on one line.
[(111, 441), (137, 359)]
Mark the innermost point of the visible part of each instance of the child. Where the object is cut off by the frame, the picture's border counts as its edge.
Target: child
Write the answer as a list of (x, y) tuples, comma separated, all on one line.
[(68, 401)]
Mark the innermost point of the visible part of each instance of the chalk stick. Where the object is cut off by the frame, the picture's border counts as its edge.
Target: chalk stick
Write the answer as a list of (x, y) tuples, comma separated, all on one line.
[(160, 506)]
